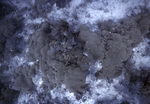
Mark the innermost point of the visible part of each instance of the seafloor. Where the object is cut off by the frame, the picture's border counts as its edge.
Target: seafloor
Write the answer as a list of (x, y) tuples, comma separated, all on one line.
[(74, 52)]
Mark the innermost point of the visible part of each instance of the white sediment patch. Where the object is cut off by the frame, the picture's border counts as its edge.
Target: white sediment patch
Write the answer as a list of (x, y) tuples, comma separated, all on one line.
[(62, 92), (100, 89), (24, 98), (89, 13), (99, 10), (18, 60), (98, 66), (140, 59)]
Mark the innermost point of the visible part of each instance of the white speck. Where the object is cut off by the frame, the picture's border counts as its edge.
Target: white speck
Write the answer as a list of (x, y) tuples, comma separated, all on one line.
[(85, 54), (98, 65), (37, 80), (27, 49), (31, 63)]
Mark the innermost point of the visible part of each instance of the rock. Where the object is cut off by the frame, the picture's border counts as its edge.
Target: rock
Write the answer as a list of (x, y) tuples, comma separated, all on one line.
[(23, 83), (56, 61), (144, 25), (113, 46), (93, 43), (75, 79)]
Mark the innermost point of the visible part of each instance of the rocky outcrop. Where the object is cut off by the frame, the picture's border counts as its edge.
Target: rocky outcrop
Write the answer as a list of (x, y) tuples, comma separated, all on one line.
[(60, 62), (114, 45), (61, 58)]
